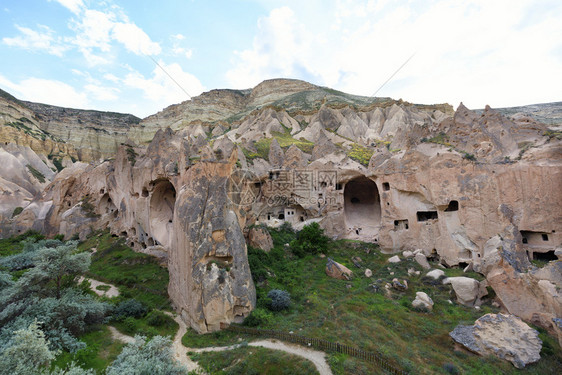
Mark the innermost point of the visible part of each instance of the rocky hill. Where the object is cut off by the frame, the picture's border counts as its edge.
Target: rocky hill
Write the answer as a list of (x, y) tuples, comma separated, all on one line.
[(476, 189)]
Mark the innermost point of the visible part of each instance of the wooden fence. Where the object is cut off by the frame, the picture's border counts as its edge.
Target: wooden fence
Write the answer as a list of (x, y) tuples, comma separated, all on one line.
[(319, 344)]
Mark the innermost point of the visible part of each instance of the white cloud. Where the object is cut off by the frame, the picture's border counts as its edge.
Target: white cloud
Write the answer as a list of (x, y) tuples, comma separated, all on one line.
[(102, 93), (73, 5), (42, 40), (135, 39), (477, 51), (160, 90), (46, 91)]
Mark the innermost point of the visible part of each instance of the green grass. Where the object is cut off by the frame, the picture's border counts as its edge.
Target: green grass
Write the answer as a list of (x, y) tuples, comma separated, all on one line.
[(285, 140), (136, 275), (355, 314), (219, 338), (254, 361), (101, 350), (14, 245)]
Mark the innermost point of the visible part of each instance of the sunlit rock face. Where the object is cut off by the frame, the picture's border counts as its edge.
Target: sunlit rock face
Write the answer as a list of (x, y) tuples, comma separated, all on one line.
[(467, 188)]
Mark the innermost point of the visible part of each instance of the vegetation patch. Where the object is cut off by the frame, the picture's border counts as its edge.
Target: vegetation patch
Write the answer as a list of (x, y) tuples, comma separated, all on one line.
[(17, 211), (254, 361), (38, 175), (360, 154)]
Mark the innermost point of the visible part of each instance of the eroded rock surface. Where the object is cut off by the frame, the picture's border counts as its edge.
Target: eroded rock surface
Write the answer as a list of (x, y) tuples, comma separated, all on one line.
[(505, 336)]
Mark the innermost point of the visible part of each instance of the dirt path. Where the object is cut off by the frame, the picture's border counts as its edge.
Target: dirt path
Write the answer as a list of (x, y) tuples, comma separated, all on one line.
[(180, 351), (116, 335), (316, 357), (111, 292)]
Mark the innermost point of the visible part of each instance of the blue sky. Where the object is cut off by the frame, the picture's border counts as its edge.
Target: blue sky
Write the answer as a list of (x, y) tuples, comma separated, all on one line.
[(102, 54)]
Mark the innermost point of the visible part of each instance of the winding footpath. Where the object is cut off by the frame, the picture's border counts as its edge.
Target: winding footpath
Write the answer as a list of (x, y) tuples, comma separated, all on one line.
[(318, 358)]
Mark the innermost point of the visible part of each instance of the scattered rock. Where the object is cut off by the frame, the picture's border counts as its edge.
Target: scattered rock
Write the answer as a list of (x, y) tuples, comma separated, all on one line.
[(260, 238), (394, 259), (408, 254), (423, 301), (436, 274), (368, 273), (466, 289), (348, 286), (337, 271), (322, 255), (422, 260), (412, 271), (399, 285), (505, 336), (356, 261)]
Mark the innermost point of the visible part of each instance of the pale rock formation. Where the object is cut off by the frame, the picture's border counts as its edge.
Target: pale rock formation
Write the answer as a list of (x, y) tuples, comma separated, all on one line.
[(394, 259), (422, 301), (260, 238), (466, 289), (407, 254), (504, 336), (276, 155), (368, 273), (338, 271), (422, 261), (435, 274)]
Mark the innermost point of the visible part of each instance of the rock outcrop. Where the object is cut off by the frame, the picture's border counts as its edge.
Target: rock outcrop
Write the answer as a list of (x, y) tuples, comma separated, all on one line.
[(422, 301), (504, 336), (260, 238), (338, 271)]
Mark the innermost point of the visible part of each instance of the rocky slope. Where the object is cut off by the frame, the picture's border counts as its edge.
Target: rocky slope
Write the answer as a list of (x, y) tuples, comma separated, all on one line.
[(471, 189)]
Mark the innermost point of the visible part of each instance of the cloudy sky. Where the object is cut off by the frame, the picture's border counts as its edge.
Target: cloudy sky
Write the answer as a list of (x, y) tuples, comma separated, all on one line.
[(117, 54)]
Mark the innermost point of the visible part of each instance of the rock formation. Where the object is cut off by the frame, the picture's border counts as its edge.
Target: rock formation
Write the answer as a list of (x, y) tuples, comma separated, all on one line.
[(465, 188), (504, 336)]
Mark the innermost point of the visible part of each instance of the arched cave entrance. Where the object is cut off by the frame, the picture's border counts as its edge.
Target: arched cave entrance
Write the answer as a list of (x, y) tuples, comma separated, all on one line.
[(106, 206), (162, 204), (362, 206)]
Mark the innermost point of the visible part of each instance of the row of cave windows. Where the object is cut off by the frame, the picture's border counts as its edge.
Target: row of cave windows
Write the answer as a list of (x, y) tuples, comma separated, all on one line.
[(426, 215)]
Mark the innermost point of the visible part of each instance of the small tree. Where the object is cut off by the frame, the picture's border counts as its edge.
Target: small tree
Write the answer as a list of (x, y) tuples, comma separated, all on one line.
[(310, 240), (56, 266), (28, 353), (151, 358), (280, 299)]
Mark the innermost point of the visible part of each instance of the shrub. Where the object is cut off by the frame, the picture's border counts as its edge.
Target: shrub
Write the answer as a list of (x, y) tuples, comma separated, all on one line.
[(280, 299), (310, 240), (130, 325), (17, 211), (258, 317), (142, 357), (38, 175), (129, 308), (156, 319)]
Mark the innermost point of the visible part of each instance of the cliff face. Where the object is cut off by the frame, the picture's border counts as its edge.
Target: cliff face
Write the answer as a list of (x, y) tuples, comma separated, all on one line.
[(469, 188)]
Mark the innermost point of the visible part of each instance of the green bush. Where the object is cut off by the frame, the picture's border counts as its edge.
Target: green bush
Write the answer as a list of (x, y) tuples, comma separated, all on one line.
[(17, 211), (156, 319), (310, 240), (129, 308), (258, 317), (280, 299)]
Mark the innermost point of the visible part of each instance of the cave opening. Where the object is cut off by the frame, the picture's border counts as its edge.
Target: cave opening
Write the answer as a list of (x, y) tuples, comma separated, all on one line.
[(547, 256), (362, 207), (161, 215)]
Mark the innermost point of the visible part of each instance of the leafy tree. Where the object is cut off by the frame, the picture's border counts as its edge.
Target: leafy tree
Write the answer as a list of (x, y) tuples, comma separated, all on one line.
[(45, 292), (310, 240), (147, 358), (28, 353)]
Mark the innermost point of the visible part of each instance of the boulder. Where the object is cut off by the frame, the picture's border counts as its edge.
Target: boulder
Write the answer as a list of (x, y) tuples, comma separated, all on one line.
[(338, 271), (466, 289), (394, 259), (423, 301), (408, 254), (422, 261), (368, 273), (412, 271), (436, 274), (399, 285), (260, 238), (505, 336)]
